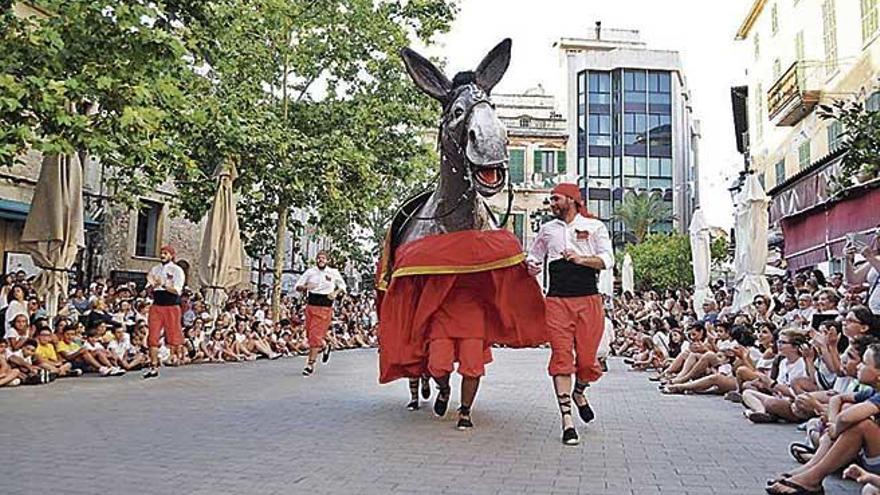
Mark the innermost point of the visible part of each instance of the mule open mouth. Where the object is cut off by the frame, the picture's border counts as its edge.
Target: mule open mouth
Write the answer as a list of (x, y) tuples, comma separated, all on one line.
[(490, 180)]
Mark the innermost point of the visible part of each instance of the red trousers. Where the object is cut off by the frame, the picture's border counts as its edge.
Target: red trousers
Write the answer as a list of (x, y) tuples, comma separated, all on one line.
[(167, 317), (318, 320), (575, 326), (470, 354)]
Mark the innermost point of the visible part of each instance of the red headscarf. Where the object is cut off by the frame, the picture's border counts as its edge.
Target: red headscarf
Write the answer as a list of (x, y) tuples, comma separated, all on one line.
[(170, 250), (572, 191)]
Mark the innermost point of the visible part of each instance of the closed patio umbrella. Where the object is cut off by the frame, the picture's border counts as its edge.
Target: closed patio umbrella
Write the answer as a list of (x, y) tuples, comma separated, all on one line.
[(701, 260), (53, 231), (220, 261), (752, 220)]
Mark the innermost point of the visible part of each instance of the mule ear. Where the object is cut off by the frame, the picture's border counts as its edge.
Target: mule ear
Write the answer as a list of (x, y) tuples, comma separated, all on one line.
[(427, 77), (493, 67)]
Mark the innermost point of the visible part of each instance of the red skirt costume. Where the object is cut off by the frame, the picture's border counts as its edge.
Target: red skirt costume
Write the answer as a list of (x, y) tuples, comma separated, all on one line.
[(318, 319), (452, 296)]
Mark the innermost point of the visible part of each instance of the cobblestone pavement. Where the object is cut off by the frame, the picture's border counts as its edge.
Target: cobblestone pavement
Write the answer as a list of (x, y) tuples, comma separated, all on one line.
[(255, 428)]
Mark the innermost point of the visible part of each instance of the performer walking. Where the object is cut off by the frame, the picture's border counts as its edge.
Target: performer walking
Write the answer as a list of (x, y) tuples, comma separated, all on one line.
[(414, 391), (577, 247), (322, 285), (167, 281)]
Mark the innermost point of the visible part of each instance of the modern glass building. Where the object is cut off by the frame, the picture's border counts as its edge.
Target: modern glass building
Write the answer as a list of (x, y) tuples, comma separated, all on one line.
[(633, 128)]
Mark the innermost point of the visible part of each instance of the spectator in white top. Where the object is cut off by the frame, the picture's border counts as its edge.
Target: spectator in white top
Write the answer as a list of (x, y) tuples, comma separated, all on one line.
[(868, 273), (776, 403)]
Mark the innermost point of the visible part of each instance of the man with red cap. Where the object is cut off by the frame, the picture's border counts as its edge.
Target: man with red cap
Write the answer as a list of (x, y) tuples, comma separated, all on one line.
[(167, 280), (577, 247)]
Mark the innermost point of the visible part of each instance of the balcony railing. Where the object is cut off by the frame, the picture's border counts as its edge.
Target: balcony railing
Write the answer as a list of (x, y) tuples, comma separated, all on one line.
[(790, 98)]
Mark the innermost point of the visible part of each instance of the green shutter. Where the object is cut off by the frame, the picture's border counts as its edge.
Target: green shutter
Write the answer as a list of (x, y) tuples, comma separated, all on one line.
[(537, 165), (518, 220), (560, 162), (517, 174)]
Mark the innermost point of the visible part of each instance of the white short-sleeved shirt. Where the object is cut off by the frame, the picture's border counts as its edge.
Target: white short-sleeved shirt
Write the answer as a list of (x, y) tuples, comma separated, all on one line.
[(169, 271), (873, 291), (788, 372), (585, 236), (321, 281)]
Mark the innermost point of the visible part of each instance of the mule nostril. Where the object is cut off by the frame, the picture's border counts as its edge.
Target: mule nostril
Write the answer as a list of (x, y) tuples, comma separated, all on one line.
[(472, 135)]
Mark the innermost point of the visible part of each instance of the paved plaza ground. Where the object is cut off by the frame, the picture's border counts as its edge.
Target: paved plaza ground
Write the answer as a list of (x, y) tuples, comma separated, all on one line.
[(260, 427)]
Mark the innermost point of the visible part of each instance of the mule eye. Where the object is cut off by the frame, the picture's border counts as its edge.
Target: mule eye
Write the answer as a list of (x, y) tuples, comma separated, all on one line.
[(458, 112)]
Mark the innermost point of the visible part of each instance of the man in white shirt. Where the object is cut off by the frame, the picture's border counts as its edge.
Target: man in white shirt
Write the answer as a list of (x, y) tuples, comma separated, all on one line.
[(322, 285), (577, 248), (167, 280)]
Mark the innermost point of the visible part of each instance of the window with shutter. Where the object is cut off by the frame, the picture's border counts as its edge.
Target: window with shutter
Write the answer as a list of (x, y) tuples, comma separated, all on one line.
[(560, 162), (517, 162)]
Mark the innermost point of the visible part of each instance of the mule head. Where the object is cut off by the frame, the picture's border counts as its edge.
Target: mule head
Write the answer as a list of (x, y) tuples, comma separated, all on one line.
[(472, 139)]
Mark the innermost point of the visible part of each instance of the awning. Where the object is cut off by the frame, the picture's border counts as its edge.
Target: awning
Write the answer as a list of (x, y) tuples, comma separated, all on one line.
[(820, 234), (18, 211)]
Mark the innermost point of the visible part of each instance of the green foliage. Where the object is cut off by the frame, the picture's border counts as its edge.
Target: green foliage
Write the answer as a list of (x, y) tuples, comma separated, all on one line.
[(860, 136), (642, 209), (102, 78), (720, 250), (662, 261)]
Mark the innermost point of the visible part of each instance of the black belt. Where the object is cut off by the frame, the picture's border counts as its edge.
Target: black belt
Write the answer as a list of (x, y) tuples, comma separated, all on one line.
[(319, 300)]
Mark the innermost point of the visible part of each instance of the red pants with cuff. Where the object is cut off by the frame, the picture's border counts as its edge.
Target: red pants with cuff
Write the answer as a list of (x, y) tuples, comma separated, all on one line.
[(318, 320), (167, 317), (456, 332), (575, 326)]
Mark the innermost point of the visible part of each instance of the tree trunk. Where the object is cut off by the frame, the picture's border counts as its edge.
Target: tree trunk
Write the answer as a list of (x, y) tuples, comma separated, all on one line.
[(280, 239)]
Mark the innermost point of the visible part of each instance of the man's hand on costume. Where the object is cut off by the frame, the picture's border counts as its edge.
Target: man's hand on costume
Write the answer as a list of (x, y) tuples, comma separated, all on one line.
[(590, 261), (534, 267)]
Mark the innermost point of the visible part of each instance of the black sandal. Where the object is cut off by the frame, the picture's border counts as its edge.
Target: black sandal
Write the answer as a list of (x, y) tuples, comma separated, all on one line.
[(464, 420), (413, 405), (441, 404), (584, 411), (798, 489), (309, 369), (799, 450), (570, 434), (773, 481), (325, 356)]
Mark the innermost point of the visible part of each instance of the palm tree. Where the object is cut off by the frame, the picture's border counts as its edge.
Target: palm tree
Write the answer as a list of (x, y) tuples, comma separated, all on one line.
[(642, 209)]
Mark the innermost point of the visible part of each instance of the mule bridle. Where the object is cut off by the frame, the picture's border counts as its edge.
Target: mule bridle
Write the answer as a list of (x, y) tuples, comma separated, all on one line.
[(461, 153)]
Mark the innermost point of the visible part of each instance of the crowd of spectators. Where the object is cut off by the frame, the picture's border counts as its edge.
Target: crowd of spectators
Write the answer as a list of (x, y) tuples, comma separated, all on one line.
[(102, 329), (807, 354)]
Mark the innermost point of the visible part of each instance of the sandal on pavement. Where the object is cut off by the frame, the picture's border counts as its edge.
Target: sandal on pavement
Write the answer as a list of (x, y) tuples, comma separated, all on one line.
[(464, 420), (801, 452), (798, 489), (309, 369), (570, 434), (773, 481), (584, 411), (761, 417), (413, 405)]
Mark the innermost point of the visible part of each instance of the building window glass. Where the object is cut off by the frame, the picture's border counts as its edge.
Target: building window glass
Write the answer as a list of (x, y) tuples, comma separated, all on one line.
[(777, 69), (869, 19), (829, 29), (799, 57), (780, 171), (774, 19), (757, 46), (804, 154), (147, 241), (873, 102), (759, 112), (835, 138), (524, 121)]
